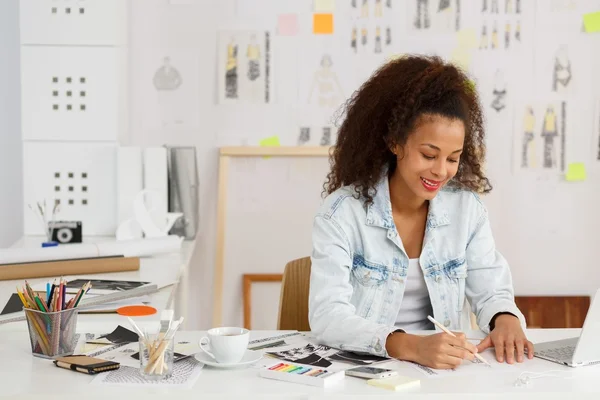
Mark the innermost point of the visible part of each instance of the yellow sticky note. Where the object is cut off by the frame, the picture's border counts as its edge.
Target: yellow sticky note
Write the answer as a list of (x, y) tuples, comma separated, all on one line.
[(272, 141), (591, 22), (575, 172), (467, 38), (324, 6), (461, 57), (323, 24)]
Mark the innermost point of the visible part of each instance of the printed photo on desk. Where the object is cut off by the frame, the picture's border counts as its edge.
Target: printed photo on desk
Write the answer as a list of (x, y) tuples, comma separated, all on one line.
[(323, 356), (101, 286)]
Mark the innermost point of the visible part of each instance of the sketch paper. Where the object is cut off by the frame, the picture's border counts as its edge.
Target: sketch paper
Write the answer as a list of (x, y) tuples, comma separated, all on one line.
[(439, 16), (322, 356), (596, 134), (244, 67)]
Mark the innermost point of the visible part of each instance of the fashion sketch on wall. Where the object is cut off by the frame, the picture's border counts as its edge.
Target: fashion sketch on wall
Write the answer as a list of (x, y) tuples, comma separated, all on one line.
[(499, 92), (325, 90), (244, 70), (562, 70), (167, 80), (528, 152)]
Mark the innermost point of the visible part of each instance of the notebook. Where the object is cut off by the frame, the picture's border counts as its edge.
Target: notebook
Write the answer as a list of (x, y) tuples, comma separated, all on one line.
[(85, 364)]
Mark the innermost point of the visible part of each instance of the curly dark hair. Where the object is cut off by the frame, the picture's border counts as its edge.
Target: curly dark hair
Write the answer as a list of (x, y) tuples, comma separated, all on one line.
[(386, 109)]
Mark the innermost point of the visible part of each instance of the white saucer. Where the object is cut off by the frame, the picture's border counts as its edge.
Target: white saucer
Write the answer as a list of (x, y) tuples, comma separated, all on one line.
[(250, 357)]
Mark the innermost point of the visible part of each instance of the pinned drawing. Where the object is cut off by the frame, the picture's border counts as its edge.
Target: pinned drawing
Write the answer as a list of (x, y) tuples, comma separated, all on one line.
[(166, 81), (388, 36), (422, 19), (507, 35), (495, 9), (388, 3), (518, 31), (562, 69), (353, 3), (445, 14), (378, 8), (326, 138), (495, 36), (304, 135), (364, 10), (507, 6), (326, 85), (253, 55), (485, 6), (549, 135), (231, 75), (353, 40), (499, 92), (363, 36), (528, 153), (483, 42), (377, 40), (597, 131), (244, 67), (518, 7)]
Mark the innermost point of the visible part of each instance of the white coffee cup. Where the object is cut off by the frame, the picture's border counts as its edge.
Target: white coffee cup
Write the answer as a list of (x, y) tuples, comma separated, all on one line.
[(227, 345)]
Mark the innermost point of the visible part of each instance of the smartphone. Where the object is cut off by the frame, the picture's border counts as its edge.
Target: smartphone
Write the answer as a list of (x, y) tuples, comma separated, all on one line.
[(371, 372)]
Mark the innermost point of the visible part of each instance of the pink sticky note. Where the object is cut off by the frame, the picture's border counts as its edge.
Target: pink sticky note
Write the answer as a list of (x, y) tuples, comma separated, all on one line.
[(287, 24)]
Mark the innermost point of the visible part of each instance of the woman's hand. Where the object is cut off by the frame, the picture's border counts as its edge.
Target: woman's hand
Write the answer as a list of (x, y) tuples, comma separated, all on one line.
[(507, 338), (439, 351)]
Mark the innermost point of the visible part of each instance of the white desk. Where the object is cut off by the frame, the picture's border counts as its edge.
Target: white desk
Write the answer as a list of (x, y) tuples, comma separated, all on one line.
[(23, 374), (160, 269)]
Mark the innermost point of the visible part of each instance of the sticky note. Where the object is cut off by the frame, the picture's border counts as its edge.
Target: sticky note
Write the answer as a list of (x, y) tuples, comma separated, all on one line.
[(287, 24), (461, 57), (467, 38), (575, 172), (323, 24), (591, 22), (324, 6), (272, 141)]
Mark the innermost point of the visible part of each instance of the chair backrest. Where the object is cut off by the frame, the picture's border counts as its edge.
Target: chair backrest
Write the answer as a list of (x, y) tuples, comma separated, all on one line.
[(554, 311), (293, 301)]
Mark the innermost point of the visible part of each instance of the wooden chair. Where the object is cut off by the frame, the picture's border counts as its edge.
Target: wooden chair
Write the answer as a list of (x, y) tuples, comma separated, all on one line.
[(293, 302), (554, 312)]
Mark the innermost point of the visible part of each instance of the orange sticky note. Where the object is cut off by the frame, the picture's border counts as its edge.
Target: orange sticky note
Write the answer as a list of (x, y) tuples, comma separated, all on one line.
[(323, 24)]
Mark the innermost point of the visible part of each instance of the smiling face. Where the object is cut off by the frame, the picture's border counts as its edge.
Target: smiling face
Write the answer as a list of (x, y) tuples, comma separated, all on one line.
[(430, 157)]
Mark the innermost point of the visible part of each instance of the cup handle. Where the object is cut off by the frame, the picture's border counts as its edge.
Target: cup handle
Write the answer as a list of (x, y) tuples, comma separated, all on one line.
[(204, 344)]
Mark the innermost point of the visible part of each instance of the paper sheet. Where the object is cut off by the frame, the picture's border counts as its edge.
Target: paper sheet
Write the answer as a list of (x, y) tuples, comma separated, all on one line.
[(185, 374), (323, 24), (287, 24)]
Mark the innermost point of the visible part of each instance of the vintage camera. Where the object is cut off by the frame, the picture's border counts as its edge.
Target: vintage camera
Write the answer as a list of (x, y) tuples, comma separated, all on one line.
[(66, 231)]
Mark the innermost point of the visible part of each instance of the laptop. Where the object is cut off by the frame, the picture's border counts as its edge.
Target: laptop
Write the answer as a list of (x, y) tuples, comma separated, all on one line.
[(577, 351)]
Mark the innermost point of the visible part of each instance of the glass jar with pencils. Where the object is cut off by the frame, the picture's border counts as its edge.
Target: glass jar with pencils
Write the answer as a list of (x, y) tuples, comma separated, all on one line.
[(51, 318)]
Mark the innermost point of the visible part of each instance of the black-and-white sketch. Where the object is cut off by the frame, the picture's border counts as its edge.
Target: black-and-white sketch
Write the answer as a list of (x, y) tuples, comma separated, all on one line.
[(166, 76), (231, 75), (353, 3), (388, 36), (422, 19), (499, 92), (528, 153), (484, 6), (507, 35), (363, 36), (445, 14), (518, 31), (494, 8), (377, 49), (353, 43), (518, 6), (253, 55), (304, 135), (549, 134), (322, 356), (507, 6), (326, 138), (388, 3), (562, 69), (325, 83), (185, 372), (457, 24), (101, 284), (483, 42)]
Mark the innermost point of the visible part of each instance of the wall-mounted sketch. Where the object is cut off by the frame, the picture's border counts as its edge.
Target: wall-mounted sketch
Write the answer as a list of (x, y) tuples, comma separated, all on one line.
[(353, 39), (549, 135), (231, 74), (304, 136), (364, 11), (388, 36), (540, 125), (562, 69), (507, 35), (444, 14), (508, 6), (422, 19), (326, 138), (377, 40), (528, 152), (244, 70), (166, 81), (499, 92), (457, 21), (596, 134), (363, 36), (483, 41), (325, 90), (518, 31), (353, 3), (495, 35), (495, 8), (518, 7), (388, 3), (378, 8)]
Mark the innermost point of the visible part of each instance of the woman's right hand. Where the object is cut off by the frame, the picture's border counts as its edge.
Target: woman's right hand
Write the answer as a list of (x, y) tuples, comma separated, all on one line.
[(439, 351)]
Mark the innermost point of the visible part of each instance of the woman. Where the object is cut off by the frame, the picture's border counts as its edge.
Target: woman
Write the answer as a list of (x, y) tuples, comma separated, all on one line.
[(402, 233)]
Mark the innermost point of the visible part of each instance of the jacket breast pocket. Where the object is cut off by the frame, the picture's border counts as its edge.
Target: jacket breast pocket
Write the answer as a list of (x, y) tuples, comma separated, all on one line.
[(367, 280), (456, 270)]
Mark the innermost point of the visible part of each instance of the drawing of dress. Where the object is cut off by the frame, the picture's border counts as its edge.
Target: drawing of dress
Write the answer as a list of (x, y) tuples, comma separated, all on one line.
[(231, 76), (495, 36), (422, 15), (378, 8), (508, 6), (353, 40), (304, 135), (363, 34), (485, 4), (446, 13), (325, 82), (528, 129), (499, 92), (326, 138), (444, 5), (377, 40), (495, 6), (483, 43), (518, 7), (507, 36), (167, 80), (549, 133), (457, 27), (562, 69), (518, 31), (364, 11), (388, 3), (388, 36), (353, 3), (253, 55)]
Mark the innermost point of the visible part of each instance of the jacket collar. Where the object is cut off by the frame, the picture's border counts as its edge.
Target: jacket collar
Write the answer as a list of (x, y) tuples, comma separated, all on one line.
[(379, 213)]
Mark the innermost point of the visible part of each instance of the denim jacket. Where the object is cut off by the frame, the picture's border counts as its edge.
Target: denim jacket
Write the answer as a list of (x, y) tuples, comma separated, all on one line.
[(359, 267)]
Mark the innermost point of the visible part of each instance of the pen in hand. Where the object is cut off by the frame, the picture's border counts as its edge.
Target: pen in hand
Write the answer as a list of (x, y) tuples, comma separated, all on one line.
[(442, 327)]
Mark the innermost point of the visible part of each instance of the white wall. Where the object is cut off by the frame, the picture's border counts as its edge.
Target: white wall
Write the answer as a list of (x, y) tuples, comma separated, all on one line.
[(11, 187)]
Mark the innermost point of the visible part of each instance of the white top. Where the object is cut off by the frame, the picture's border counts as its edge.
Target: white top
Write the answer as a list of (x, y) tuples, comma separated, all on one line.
[(416, 305)]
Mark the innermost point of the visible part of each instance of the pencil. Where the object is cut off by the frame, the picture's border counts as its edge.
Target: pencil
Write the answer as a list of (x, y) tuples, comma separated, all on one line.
[(442, 327)]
